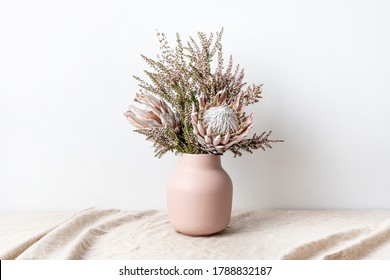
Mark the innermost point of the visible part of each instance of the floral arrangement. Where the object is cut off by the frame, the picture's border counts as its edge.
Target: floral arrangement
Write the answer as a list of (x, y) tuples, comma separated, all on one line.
[(188, 107)]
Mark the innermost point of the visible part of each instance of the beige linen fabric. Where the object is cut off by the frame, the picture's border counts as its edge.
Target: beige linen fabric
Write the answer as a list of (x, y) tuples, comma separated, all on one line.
[(117, 234)]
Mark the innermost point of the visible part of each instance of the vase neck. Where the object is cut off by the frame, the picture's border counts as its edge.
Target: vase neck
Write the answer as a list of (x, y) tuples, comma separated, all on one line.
[(200, 161)]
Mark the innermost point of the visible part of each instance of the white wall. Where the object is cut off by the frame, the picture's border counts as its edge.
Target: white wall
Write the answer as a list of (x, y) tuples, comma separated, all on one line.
[(65, 80)]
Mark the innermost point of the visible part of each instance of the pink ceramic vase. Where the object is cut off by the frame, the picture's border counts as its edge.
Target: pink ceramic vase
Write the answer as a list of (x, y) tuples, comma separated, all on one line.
[(199, 195)]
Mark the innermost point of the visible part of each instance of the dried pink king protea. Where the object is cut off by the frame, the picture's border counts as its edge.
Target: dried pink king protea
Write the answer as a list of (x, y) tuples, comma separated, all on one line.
[(219, 124), (155, 113)]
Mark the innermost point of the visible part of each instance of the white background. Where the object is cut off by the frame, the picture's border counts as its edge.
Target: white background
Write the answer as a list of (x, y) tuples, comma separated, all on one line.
[(66, 78)]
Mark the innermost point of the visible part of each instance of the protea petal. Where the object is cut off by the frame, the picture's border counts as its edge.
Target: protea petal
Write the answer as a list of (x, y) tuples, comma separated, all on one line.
[(148, 100), (152, 123), (226, 138), (240, 110), (132, 120), (220, 149), (164, 107), (217, 140), (209, 131), (201, 129), (236, 102), (194, 115), (216, 100), (223, 96), (142, 123), (143, 113), (202, 101)]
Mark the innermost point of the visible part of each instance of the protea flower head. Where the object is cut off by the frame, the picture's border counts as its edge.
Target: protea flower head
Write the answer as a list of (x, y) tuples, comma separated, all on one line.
[(149, 111), (219, 124)]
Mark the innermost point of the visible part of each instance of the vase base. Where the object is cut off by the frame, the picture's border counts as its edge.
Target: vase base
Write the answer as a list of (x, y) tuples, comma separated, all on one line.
[(199, 232)]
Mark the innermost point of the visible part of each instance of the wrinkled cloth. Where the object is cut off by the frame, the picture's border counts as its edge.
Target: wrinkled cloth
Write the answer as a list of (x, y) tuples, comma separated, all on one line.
[(269, 234)]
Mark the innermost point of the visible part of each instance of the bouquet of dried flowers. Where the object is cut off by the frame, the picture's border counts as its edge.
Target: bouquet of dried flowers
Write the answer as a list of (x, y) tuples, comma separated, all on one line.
[(188, 107)]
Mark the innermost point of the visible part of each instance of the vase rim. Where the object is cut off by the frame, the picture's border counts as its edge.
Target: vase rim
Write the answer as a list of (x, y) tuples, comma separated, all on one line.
[(200, 160), (199, 155)]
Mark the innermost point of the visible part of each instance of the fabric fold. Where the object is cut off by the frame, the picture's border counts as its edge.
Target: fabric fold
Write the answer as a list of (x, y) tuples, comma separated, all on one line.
[(363, 246), (71, 238), (353, 244)]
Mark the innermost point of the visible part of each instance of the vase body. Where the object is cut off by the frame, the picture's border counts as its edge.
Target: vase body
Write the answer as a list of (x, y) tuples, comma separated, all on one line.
[(199, 195)]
